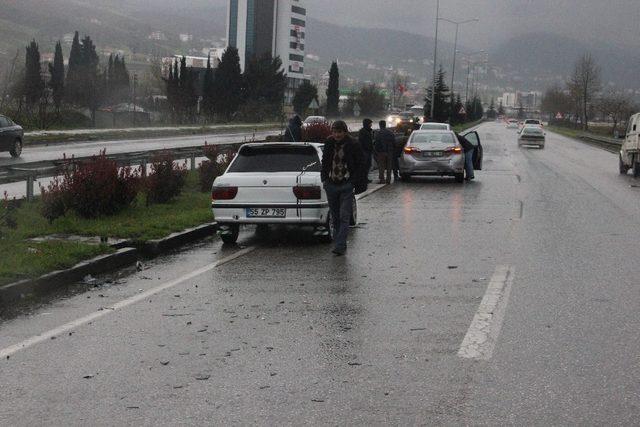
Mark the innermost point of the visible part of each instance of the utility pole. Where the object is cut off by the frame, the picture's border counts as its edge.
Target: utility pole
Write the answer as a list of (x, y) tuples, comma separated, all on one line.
[(435, 61), (455, 50)]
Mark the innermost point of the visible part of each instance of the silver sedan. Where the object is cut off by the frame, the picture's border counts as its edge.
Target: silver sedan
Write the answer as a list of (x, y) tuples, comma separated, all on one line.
[(432, 153)]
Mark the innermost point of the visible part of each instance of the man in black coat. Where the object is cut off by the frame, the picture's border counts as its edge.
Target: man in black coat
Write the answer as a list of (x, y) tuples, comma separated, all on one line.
[(365, 137), (293, 133), (384, 145), (342, 175)]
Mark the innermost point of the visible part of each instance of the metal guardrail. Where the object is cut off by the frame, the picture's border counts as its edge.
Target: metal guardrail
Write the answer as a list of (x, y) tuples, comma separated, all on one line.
[(32, 171), (609, 144)]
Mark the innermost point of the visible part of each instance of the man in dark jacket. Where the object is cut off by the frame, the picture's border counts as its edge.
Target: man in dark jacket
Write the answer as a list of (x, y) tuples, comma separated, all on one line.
[(293, 133), (365, 137), (468, 149), (384, 145), (342, 174)]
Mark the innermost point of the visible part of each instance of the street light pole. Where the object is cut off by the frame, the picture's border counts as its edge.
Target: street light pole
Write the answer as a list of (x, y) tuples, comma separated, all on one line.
[(455, 48), (435, 61)]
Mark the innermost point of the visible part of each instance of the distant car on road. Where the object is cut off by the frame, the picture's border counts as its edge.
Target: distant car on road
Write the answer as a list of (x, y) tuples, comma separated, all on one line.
[(529, 122), (311, 120), (630, 151), (437, 153), (11, 137), (270, 184), (535, 122), (532, 135), (512, 124), (435, 126)]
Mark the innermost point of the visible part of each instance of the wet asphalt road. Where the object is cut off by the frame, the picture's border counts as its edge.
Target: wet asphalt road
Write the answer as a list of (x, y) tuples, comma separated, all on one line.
[(288, 334)]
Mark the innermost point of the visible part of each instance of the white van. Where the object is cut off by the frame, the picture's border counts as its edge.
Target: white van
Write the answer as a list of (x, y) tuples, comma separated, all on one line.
[(630, 152)]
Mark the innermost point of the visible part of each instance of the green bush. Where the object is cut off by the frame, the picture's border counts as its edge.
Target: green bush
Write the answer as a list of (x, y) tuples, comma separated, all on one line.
[(166, 179)]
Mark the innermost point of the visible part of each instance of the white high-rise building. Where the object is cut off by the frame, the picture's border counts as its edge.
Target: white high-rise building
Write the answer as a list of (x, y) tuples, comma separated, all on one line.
[(256, 27)]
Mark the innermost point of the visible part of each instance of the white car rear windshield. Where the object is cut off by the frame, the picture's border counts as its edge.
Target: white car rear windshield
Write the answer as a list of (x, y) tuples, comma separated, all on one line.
[(530, 130), (276, 159), (434, 126), (425, 139)]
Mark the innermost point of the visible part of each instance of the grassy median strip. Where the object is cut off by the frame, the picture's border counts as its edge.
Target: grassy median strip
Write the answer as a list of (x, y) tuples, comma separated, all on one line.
[(23, 258)]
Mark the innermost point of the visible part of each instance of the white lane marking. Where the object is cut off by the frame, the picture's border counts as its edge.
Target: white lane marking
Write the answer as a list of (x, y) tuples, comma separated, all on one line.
[(485, 328), (30, 342)]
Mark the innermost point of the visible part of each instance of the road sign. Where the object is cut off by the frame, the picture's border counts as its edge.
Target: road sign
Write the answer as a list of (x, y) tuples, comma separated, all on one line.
[(314, 105), (462, 111)]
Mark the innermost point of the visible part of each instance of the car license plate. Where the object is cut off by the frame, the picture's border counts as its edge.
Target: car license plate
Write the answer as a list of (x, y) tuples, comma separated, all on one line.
[(432, 154), (266, 213)]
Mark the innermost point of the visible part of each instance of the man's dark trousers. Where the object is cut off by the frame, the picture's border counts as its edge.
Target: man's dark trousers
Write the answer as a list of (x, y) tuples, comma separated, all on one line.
[(340, 198)]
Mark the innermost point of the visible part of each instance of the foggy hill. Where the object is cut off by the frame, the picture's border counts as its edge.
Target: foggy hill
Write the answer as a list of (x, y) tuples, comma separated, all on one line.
[(127, 24), (543, 54)]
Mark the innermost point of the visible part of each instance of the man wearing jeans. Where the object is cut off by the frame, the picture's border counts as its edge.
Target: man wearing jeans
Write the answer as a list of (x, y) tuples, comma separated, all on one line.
[(342, 174)]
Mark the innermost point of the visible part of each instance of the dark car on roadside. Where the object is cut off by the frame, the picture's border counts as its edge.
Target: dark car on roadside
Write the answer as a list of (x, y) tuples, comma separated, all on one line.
[(11, 137)]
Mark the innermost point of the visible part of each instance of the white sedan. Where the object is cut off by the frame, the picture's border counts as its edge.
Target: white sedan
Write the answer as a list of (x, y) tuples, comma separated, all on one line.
[(271, 184)]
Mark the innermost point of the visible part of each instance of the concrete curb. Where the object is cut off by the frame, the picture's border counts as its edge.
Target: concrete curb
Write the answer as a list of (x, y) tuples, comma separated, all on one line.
[(124, 257), (175, 240), (57, 279)]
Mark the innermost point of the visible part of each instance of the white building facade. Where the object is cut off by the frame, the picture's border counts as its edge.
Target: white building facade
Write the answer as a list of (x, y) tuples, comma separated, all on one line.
[(278, 27)]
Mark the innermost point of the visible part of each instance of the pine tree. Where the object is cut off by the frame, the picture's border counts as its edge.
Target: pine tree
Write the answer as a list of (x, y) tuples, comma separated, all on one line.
[(227, 84), (303, 97), (34, 84), (492, 114), (91, 85), (456, 117), (56, 70), (171, 88), (501, 109), (333, 91), (207, 91), (441, 96), (74, 72), (264, 84)]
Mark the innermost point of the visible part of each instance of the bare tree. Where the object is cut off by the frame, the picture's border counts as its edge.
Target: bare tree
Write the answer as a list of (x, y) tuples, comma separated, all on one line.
[(614, 106), (555, 101), (583, 85)]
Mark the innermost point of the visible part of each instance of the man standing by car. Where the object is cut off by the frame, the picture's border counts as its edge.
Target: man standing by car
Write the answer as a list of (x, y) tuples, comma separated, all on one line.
[(365, 138), (342, 175), (468, 149), (384, 145), (293, 133)]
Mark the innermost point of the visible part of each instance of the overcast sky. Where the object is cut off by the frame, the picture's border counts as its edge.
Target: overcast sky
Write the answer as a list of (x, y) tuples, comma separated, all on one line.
[(615, 21)]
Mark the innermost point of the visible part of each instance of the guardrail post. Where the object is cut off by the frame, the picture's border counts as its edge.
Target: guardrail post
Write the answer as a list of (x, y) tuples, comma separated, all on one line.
[(143, 167), (30, 182), (193, 162)]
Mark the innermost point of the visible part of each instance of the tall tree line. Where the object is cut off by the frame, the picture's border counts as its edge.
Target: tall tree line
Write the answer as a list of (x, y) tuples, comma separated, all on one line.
[(227, 93)]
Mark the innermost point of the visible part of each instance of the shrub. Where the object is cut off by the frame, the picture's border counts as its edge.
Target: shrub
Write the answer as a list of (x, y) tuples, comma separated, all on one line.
[(316, 132), (90, 189), (166, 179), (97, 187), (53, 200), (7, 213), (209, 170)]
